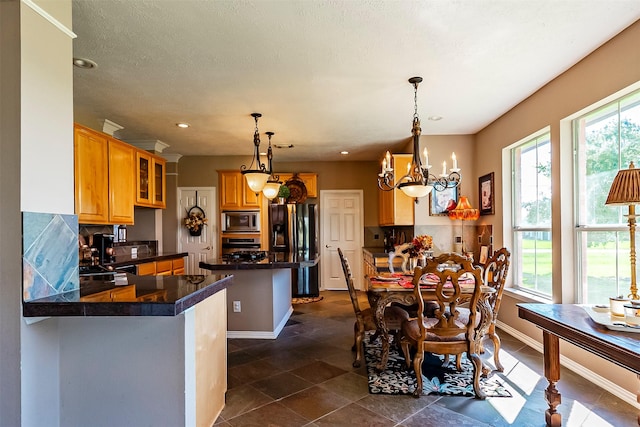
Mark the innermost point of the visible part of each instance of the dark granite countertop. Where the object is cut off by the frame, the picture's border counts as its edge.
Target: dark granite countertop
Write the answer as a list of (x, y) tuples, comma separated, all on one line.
[(124, 260), (136, 296), (273, 261)]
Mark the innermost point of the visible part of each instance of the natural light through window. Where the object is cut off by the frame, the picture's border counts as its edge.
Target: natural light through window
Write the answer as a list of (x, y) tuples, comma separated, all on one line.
[(605, 140), (531, 184)]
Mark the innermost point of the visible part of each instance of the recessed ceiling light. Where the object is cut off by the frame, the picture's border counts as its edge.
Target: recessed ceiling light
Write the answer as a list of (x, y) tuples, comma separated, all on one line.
[(434, 118), (183, 125), (344, 153), (84, 63)]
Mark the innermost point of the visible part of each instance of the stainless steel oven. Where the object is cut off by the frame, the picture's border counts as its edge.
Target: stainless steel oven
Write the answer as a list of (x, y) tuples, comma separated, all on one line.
[(240, 244), (241, 221)]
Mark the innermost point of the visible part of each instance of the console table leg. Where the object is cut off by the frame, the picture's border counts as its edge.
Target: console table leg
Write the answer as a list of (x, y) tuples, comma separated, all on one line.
[(638, 400), (552, 373)]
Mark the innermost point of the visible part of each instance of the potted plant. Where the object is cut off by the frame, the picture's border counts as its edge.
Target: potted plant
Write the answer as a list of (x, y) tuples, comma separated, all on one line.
[(283, 194)]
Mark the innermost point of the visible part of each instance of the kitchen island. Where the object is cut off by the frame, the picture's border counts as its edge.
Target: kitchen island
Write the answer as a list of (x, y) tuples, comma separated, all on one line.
[(138, 350), (259, 304)]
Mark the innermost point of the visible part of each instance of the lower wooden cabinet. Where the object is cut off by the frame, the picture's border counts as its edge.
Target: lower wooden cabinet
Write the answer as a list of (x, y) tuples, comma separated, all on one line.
[(121, 293), (167, 267)]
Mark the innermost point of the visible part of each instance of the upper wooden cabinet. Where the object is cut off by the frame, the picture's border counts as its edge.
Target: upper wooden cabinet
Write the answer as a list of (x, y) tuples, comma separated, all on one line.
[(150, 180), (395, 207), (103, 178), (235, 194), (121, 184), (310, 181)]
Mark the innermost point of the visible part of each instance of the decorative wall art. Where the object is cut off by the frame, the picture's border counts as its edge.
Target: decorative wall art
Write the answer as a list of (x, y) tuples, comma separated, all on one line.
[(485, 190), (443, 201)]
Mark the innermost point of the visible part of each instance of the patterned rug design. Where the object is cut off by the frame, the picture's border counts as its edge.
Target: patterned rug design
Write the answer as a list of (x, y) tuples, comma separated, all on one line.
[(396, 379), (305, 300)]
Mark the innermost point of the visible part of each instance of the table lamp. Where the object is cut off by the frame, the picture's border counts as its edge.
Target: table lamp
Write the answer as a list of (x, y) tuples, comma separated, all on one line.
[(464, 212), (625, 190)]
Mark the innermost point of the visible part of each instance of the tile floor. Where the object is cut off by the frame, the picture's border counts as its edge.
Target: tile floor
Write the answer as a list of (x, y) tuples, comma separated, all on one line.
[(305, 378)]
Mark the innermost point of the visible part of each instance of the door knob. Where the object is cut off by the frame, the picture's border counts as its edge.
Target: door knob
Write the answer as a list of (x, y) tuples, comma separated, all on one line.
[(327, 246), (208, 248)]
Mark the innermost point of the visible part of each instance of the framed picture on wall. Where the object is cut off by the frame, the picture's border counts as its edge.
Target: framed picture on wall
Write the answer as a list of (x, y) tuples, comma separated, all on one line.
[(442, 201), (485, 190)]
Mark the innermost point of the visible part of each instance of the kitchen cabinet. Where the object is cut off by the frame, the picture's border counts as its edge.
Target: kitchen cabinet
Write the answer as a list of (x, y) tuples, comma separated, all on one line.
[(167, 267), (122, 293), (235, 194), (103, 170), (150, 180), (310, 181), (395, 207)]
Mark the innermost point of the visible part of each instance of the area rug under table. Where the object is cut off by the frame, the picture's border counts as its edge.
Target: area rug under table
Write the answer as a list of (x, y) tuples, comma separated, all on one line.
[(305, 300), (396, 379)]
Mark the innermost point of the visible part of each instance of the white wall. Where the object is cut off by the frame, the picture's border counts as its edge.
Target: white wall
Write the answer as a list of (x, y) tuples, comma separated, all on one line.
[(46, 181)]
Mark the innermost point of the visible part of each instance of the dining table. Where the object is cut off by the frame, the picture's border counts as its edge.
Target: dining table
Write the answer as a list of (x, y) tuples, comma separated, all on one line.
[(388, 288)]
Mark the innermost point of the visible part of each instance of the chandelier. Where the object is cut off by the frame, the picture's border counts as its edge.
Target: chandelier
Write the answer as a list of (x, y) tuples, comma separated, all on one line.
[(418, 181), (256, 178), (272, 186)]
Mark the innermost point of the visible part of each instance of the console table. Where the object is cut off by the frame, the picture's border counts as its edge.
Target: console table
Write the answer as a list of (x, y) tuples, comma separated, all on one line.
[(571, 323)]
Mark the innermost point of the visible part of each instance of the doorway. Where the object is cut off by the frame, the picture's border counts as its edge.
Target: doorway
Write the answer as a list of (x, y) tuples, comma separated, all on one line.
[(342, 218), (202, 247)]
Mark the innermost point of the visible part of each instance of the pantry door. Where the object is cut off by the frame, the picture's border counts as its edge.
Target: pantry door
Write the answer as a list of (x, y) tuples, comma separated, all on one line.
[(342, 218), (200, 247)]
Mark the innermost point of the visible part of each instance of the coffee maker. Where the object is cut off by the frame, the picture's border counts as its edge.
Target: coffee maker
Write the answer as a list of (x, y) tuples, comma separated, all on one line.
[(104, 244)]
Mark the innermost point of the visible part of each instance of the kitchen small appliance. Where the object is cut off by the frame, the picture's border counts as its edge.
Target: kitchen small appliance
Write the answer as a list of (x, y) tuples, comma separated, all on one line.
[(241, 221), (104, 244)]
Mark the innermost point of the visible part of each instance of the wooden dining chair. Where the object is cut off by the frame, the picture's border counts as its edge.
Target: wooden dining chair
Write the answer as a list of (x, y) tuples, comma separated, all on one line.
[(445, 333), (393, 316), (495, 275)]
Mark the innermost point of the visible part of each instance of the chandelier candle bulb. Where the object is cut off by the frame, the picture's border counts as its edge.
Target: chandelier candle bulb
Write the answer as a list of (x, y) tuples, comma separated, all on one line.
[(426, 158), (455, 162), (388, 158), (444, 168)]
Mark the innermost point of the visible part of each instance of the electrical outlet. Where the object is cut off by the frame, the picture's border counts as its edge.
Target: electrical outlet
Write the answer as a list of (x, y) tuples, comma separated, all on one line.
[(236, 307), (134, 252)]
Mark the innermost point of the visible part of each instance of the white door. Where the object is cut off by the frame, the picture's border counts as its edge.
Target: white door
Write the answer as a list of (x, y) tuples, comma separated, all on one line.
[(341, 216), (200, 247)]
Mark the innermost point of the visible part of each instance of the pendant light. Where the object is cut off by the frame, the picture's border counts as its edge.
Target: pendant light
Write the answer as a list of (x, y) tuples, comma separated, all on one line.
[(256, 178), (272, 186), (418, 181)]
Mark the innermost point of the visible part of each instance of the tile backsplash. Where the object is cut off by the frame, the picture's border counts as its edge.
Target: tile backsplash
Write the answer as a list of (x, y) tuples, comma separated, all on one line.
[(49, 254)]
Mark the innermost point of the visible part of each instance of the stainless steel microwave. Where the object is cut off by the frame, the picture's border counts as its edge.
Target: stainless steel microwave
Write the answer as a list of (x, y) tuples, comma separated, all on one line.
[(240, 221)]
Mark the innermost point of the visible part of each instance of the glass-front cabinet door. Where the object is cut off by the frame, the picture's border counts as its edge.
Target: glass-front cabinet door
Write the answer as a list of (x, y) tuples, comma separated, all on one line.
[(143, 179), (159, 185)]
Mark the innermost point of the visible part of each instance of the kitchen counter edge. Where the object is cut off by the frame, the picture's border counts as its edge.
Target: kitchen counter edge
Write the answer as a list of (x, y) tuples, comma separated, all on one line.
[(43, 308)]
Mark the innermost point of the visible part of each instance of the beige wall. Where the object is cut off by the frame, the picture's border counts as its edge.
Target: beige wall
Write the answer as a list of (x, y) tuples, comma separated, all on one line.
[(609, 69)]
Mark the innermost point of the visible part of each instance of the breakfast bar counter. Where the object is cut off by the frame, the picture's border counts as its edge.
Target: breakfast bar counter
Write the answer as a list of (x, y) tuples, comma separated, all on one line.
[(259, 303), (129, 343)]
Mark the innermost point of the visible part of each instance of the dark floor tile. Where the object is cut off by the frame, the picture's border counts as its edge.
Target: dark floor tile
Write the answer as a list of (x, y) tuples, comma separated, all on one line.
[(282, 385), (253, 371), (272, 415), (314, 402), (239, 357), (350, 386), (396, 407), (438, 416), (318, 372), (354, 415), (243, 399)]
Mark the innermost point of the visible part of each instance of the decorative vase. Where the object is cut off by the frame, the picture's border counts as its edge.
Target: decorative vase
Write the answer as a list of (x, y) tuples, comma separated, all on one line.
[(197, 232), (282, 200)]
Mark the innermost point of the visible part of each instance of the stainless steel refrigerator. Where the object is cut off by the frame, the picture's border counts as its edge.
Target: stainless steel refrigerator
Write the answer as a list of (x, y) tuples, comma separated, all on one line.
[(293, 228)]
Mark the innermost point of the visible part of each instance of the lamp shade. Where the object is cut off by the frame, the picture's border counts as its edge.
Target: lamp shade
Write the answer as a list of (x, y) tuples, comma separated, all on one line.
[(625, 188), (464, 211), (270, 189), (256, 179), (415, 189)]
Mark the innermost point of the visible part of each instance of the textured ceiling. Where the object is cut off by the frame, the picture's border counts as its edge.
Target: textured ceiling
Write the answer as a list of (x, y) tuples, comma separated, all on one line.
[(326, 75)]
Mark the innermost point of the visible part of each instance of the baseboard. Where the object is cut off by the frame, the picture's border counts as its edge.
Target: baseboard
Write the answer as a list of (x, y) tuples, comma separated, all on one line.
[(579, 369), (262, 335)]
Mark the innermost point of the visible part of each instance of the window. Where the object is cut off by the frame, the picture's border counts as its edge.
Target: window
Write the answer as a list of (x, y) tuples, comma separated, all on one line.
[(531, 221), (605, 140)]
